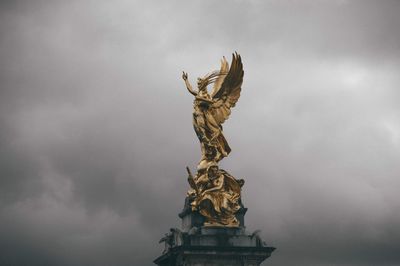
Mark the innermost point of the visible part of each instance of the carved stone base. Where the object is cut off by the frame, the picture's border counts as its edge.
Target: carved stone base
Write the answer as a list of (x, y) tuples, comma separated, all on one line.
[(216, 246), (199, 245)]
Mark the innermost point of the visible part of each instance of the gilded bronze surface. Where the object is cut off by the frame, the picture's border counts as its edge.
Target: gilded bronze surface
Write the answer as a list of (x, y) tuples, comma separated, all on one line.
[(214, 192)]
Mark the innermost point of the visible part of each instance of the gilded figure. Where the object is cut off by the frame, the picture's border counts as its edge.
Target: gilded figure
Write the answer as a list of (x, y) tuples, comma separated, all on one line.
[(211, 110), (214, 192)]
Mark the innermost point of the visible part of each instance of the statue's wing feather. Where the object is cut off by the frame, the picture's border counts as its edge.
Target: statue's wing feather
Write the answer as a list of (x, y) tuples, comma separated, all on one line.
[(222, 74), (228, 94)]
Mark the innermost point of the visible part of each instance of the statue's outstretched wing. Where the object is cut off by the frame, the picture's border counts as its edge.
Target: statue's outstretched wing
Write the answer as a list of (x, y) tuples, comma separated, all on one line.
[(227, 88), (221, 76)]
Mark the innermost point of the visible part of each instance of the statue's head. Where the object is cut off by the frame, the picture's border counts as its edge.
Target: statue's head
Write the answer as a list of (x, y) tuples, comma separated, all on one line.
[(212, 171), (201, 84)]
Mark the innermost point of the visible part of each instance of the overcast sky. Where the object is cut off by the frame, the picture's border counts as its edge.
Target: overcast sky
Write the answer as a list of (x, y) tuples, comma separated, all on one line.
[(95, 126)]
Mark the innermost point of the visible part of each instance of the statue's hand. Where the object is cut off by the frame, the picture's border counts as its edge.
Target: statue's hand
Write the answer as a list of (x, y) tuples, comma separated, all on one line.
[(184, 75)]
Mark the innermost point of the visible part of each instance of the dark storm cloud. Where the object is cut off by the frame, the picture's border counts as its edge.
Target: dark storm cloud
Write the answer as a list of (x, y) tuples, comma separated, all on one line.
[(96, 126)]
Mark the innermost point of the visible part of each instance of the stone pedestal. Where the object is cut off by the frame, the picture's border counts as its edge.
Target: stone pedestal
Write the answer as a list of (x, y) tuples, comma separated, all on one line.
[(198, 245)]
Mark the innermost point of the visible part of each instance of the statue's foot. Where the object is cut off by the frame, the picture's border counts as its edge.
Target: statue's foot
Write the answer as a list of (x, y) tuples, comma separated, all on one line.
[(213, 224)]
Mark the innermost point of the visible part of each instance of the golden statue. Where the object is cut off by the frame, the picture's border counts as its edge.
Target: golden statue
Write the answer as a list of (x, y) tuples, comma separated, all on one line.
[(214, 192)]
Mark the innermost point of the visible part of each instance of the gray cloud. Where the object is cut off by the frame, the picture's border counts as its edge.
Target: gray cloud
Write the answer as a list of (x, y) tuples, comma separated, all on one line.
[(96, 126)]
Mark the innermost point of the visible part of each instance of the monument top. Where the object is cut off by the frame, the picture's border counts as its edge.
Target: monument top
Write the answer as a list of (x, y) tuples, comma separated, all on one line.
[(213, 231), (213, 192)]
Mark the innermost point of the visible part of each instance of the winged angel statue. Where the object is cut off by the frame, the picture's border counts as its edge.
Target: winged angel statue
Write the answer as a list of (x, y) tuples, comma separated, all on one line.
[(214, 192)]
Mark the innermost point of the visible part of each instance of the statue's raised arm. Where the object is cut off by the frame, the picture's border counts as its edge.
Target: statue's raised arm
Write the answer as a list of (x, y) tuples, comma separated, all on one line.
[(187, 83)]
